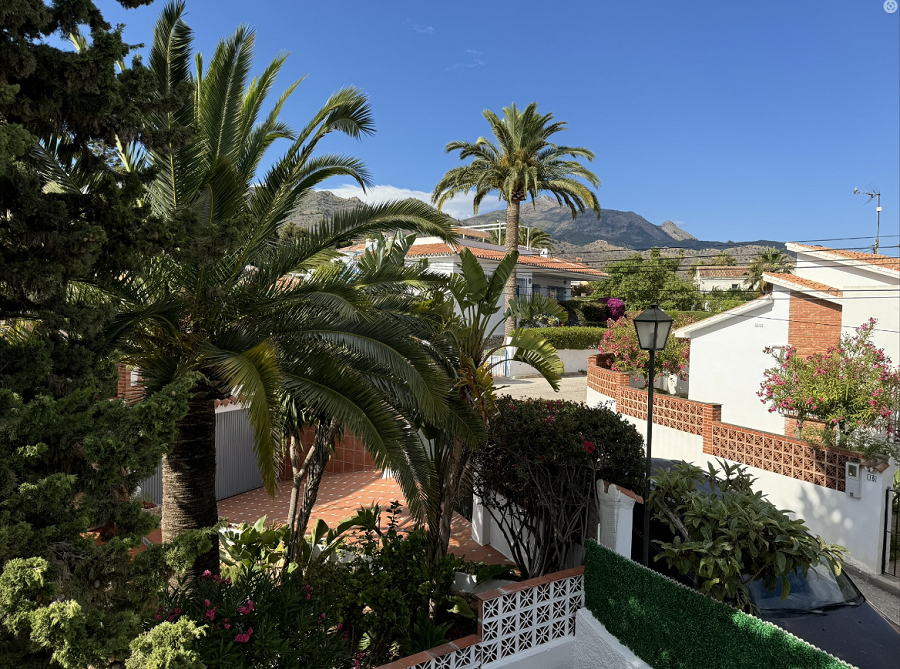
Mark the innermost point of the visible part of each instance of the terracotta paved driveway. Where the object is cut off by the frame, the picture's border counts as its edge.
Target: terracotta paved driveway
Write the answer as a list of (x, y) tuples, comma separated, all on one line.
[(340, 495)]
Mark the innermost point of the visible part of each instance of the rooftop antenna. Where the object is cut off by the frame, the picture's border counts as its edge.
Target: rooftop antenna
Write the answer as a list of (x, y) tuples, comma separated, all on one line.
[(873, 193)]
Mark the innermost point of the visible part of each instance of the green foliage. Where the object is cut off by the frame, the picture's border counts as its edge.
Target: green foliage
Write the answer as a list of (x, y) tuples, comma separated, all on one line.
[(770, 260), (534, 239), (537, 473), (426, 634), (723, 537), (167, 646), (641, 282), (382, 591), (672, 627), (260, 618), (583, 312), (577, 338), (852, 385), (722, 300), (620, 340), (254, 546)]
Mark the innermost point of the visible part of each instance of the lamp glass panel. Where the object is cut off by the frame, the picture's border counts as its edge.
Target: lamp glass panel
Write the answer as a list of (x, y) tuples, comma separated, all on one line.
[(645, 332), (662, 334)]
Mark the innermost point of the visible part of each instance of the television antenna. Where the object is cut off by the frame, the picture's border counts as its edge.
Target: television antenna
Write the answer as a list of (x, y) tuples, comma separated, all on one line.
[(872, 191)]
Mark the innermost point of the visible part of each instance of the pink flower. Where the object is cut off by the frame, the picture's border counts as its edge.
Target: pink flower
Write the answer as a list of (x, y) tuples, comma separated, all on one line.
[(177, 612), (158, 617), (246, 608), (227, 626), (206, 603), (211, 613), (206, 574)]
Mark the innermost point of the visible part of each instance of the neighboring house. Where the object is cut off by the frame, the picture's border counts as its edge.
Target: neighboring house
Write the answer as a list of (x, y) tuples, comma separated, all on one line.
[(723, 277), (536, 271), (833, 292)]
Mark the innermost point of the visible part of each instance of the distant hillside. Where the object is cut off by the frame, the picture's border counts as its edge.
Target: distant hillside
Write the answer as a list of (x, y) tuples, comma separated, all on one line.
[(615, 234)]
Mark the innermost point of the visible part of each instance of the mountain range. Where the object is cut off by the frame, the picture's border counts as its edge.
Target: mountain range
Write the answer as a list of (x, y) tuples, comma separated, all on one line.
[(594, 239)]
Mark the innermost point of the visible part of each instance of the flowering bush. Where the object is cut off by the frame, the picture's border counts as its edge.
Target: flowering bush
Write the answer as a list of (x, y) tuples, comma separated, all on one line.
[(258, 619), (850, 386), (620, 340), (537, 471), (616, 308)]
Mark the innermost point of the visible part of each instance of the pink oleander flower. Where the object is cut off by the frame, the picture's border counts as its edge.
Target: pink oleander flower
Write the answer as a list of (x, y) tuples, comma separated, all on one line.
[(211, 613), (246, 608), (206, 603)]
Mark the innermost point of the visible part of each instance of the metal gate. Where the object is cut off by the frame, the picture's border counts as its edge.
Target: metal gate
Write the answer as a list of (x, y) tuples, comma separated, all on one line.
[(236, 469), (890, 550)]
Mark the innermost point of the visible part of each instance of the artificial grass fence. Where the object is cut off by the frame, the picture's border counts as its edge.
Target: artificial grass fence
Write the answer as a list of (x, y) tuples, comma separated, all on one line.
[(573, 337), (670, 626)]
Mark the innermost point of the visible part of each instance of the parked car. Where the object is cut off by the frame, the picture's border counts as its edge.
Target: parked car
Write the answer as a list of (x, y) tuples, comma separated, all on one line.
[(824, 609)]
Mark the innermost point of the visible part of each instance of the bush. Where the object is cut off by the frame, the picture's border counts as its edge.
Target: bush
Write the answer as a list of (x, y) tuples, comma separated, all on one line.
[(616, 308), (620, 340), (538, 470), (573, 337), (258, 619), (672, 627)]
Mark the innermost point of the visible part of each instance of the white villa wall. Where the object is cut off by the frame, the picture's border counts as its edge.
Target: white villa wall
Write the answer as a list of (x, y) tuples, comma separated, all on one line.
[(856, 523), (706, 284), (727, 363), (574, 361)]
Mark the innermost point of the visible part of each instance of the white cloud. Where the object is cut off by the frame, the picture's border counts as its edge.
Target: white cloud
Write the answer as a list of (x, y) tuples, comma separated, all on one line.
[(474, 60), (459, 207), (425, 30)]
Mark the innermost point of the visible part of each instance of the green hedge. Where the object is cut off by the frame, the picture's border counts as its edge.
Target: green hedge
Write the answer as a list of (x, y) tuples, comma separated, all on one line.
[(573, 337), (670, 626)]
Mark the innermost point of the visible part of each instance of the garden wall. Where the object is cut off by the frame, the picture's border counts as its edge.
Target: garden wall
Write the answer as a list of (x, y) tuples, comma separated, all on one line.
[(574, 361), (527, 625), (808, 481), (670, 626)]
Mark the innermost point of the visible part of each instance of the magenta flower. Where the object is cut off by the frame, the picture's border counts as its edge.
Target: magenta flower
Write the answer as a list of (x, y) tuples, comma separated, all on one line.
[(246, 608)]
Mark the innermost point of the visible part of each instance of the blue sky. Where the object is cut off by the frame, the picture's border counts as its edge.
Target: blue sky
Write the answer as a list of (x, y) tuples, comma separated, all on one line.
[(739, 120)]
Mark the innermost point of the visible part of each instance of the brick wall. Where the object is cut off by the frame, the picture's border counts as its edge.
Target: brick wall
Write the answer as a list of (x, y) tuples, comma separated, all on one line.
[(815, 324), (777, 453), (349, 456), (128, 385)]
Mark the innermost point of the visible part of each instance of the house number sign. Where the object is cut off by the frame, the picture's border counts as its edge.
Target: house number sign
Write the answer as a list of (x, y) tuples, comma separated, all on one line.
[(872, 477)]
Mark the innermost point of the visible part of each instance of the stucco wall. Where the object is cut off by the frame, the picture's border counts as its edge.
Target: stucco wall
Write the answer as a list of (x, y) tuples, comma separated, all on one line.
[(595, 647), (574, 361), (727, 363)]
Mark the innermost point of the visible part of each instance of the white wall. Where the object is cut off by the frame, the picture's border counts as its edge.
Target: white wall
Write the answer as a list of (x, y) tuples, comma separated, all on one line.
[(856, 523), (727, 363), (574, 361), (557, 654), (706, 284), (595, 647)]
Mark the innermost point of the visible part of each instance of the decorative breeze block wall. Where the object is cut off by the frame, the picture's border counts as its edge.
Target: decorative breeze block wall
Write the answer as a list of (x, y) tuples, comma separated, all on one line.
[(512, 619), (772, 452)]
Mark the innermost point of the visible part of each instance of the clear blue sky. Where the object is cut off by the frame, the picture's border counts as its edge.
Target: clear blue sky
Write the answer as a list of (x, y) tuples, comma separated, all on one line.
[(739, 120)]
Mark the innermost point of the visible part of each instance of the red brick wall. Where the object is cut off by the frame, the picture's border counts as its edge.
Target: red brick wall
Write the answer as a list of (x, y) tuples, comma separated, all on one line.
[(349, 456), (125, 390), (815, 324)]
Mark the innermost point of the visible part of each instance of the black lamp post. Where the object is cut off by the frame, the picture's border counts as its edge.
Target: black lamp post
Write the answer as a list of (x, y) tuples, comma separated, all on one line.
[(653, 327)]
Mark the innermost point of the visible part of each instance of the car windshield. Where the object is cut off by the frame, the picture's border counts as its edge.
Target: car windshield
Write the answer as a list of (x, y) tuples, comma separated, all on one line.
[(821, 588)]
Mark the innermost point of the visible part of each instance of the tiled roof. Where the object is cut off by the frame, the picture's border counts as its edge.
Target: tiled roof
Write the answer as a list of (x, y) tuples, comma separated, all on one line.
[(721, 271), (791, 280), (887, 262), (491, 254)]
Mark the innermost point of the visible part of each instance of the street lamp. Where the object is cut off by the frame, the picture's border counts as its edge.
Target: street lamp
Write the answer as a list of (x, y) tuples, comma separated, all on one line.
[(653, 327)]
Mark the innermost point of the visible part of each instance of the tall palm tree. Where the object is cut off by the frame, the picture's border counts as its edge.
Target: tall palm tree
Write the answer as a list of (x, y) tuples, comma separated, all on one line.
[(235, 310), (520, 162), (535, 238), (768, 260)]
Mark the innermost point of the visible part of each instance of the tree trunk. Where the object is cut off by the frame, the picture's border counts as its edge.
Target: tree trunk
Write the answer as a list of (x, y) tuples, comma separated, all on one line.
[(317, 459), (189, 478), (456, 467), (512, 244)]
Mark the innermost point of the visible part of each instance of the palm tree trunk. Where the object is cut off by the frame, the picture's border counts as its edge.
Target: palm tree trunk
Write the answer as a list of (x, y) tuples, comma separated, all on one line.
[(189, 479), (298, 471), (456, 467), (318, 459), (512, 244)]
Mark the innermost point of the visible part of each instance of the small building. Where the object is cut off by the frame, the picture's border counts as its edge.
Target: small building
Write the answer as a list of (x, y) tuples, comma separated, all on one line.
[(723, 277), (833, 292)]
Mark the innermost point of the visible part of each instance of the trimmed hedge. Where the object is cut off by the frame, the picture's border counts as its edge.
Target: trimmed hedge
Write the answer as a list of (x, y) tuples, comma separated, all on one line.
[(582, 312), (573, 337), (670, 626)]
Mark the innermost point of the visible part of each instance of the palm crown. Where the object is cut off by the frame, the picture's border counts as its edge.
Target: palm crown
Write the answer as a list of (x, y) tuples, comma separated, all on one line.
[(519, 162), (768, 260)]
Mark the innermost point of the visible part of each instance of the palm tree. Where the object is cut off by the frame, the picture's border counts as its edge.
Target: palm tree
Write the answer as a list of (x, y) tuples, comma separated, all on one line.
[(520, 162), (472, 303), (770, 260), (535, 238), (236, 311)]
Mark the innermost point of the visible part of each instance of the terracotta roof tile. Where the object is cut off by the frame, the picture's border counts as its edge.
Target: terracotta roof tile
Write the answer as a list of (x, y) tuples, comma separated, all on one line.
[(491, 254), (887, 262), (805, 283), (721, 271)]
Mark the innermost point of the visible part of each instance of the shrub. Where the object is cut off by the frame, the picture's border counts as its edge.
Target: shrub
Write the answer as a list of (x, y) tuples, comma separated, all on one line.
[(850, 386), (616, 308), (620, 340), (257, 619), (538, 470), (573, 337), (672, 627)]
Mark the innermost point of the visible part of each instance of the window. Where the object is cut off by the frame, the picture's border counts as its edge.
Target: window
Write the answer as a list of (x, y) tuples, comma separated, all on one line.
[(735, 286)]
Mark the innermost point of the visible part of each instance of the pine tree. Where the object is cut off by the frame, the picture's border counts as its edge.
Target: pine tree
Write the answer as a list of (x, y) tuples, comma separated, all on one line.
[(71, 594)]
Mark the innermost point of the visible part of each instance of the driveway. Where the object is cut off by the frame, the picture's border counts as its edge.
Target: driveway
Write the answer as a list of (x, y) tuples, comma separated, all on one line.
[(572, 388)]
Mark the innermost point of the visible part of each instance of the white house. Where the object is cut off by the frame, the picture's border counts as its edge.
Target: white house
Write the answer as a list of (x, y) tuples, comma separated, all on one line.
[(723, 277), (536, 271), (832, 292)]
